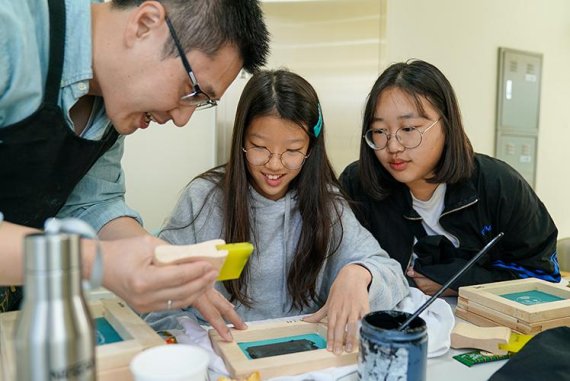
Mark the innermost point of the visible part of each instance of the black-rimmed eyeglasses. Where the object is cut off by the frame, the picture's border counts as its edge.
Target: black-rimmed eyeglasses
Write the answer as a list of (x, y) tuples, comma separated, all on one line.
[(409, 137), (197, 97)]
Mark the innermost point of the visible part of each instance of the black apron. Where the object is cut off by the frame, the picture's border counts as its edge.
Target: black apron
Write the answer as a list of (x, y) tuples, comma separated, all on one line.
[(41, 158)]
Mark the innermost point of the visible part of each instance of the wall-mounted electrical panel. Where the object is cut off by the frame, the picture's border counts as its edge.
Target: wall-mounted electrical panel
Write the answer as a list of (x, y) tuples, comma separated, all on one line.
[(518, 109)]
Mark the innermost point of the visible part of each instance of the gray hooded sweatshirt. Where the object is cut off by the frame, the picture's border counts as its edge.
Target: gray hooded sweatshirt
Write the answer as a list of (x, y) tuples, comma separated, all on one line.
[(276, 230)]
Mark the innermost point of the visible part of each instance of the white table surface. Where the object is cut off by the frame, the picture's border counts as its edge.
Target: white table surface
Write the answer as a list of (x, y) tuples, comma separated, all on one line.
[(447, 368)]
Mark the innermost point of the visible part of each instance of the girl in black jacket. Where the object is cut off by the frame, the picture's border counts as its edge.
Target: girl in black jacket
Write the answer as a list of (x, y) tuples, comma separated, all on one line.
[(430, 201)]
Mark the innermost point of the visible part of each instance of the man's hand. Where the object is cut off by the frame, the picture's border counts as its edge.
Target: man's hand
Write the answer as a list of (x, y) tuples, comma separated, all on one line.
[(214, 307), (346, 305), (130, 273), (428, 286)]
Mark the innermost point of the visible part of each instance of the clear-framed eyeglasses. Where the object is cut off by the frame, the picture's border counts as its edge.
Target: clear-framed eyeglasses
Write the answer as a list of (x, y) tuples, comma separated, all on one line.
[(197, 98), (409, 137), (259, 156)]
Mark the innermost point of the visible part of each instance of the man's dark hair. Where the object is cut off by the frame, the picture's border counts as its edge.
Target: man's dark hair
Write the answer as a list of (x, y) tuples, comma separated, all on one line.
[(207, 25)]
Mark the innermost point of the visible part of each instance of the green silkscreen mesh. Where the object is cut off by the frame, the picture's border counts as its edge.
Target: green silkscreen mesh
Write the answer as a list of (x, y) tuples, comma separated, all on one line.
[(105, 333), (531, 297)]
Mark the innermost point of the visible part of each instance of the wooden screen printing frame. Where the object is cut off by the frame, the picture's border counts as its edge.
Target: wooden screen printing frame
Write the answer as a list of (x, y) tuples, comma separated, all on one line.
[(483, 305), (112, 360), (289, 364)]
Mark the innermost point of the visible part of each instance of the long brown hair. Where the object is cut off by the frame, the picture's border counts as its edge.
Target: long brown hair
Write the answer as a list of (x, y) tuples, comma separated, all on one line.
[(289, 96), (419, 79)]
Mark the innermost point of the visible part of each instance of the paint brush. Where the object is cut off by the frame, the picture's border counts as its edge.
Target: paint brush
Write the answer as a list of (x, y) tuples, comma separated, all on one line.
[(482, 252)]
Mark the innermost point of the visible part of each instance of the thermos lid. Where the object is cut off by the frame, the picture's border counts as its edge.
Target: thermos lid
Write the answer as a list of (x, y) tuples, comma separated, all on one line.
[(52, 252)]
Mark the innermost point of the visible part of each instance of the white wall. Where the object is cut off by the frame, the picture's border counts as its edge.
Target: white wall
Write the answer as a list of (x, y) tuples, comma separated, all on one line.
[(162, 159), (462, 39)]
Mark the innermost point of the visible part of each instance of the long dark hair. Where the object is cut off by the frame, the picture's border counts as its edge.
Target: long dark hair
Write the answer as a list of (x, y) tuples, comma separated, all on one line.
[(419, 79), (286, 95)]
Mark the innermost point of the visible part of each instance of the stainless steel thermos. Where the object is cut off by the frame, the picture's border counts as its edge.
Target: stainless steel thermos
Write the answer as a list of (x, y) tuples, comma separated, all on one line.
[(55, 338)]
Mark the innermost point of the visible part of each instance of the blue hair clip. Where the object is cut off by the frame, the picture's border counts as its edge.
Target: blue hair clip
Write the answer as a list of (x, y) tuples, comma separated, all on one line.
[(319, 125)]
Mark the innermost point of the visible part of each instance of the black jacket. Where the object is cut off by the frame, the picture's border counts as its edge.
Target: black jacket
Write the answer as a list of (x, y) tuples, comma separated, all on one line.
[(495, 199)]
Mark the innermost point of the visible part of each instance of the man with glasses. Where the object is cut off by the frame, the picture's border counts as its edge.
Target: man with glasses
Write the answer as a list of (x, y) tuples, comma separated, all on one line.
[(75, 77)]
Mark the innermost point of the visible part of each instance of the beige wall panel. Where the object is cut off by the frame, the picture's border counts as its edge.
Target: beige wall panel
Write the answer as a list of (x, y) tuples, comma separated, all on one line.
[(336, 46)]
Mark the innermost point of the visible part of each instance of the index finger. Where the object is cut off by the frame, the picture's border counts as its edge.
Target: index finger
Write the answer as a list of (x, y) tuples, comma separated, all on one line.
[(228, 312), (213, 316)]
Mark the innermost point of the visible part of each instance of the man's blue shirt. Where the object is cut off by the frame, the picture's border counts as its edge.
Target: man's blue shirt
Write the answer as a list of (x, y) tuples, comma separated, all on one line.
[(24, 57)]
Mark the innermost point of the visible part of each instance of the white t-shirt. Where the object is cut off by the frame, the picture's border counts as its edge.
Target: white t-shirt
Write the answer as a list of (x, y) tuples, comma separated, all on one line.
[(431, 210)]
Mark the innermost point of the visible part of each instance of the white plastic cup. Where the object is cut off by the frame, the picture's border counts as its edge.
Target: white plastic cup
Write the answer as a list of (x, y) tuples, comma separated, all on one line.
[(171, 362)]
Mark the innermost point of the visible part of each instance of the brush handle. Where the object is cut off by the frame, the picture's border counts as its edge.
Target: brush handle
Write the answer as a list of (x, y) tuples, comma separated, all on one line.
[(432, 299)]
